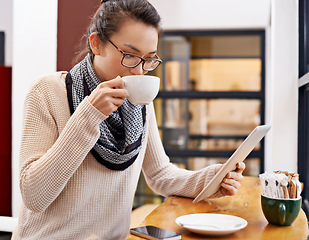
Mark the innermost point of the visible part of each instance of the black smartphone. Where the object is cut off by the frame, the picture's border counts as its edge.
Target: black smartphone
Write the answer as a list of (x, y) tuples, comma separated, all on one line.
[(155, 233)]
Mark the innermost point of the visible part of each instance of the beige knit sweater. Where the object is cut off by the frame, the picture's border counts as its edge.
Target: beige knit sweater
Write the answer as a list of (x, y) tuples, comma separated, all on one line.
[(66, 193)]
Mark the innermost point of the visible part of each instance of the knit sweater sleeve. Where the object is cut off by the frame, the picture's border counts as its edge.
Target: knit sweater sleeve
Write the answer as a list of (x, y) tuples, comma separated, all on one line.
[(48, 157), (163, 176)]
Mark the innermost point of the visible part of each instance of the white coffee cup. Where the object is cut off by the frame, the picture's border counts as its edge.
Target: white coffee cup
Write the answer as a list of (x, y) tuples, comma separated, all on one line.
[(142, 89)]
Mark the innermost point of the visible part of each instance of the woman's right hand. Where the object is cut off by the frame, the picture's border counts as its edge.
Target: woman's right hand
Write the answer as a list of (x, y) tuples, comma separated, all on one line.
[(108, 96), (231, 183)]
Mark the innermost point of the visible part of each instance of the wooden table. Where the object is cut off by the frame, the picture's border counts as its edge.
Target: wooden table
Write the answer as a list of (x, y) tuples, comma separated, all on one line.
[(246, 204)]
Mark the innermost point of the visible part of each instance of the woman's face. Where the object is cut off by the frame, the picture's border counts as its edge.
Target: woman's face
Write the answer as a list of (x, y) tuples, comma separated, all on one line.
[(135, 38)]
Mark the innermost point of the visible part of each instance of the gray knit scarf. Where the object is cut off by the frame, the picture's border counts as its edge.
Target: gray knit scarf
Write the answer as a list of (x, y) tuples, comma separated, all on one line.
[(122, 133)]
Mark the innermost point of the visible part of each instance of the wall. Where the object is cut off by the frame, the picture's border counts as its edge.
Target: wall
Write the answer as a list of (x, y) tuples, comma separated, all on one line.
[(6, 25), (5, 141), (34, 53), (71, 29), (282, 86), (213, 14)]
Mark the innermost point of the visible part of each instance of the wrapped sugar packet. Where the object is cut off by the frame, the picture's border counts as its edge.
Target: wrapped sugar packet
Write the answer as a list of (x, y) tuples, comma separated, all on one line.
[(284, 184), (297, 185), (279, 178), (263, 183), (264, 178), (272, 187), (289, 185), (293, 186)]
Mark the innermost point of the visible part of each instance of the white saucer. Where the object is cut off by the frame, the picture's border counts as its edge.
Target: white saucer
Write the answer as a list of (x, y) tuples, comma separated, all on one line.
[(211, 224)]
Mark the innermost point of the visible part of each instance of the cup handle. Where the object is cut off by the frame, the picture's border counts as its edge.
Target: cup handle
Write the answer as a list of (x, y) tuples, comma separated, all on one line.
[(282, 213)]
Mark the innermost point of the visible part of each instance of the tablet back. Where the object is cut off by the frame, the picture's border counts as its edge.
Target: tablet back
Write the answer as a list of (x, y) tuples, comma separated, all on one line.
[(238, 156)]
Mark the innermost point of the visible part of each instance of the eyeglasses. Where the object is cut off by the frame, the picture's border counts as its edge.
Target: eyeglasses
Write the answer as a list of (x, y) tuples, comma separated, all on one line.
[(131, 61)]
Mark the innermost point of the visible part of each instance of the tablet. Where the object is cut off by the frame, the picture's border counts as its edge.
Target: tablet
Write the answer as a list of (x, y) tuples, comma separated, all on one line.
[(239, 155)]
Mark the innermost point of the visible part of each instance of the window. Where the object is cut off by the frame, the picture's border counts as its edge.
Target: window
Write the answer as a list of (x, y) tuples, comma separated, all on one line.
[(212, 96)]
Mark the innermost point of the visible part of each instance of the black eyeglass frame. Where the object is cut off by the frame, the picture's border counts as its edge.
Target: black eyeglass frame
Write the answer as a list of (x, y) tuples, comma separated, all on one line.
[(157, 59)]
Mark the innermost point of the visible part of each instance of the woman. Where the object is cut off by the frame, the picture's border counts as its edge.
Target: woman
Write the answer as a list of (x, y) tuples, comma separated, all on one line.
[(84, 145)]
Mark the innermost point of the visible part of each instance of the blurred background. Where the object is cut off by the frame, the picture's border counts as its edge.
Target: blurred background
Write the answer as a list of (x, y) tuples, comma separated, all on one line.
[(228, 66)]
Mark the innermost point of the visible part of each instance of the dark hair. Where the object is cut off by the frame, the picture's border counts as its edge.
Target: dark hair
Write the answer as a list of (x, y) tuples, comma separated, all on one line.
[(111, 14)]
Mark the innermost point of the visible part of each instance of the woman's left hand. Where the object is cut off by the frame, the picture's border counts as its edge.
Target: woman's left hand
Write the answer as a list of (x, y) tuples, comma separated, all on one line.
[(231, 183)]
